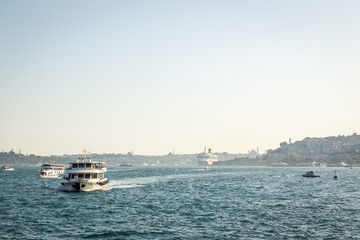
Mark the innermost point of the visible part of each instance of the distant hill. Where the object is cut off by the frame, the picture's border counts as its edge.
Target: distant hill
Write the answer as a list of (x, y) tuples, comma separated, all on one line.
[(12, 158), (329, 150)]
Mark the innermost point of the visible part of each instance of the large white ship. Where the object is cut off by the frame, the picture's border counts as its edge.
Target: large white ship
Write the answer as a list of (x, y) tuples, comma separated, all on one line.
[(51, 170), (84, 175), (207, 158)]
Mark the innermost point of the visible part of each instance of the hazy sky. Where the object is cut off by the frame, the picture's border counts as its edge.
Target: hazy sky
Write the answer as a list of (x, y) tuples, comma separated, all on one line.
[(158, 76)]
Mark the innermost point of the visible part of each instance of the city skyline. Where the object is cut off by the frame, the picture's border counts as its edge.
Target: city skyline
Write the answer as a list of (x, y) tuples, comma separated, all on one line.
[(159, 76)]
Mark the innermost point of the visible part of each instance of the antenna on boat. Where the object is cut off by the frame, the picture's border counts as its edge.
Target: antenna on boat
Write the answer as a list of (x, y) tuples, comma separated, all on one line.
[(84, 157)]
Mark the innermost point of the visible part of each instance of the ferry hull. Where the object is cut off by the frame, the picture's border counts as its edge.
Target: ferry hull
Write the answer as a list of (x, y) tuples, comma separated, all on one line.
[(204, 163), (83, 186), (50, 174), (207, 162), (57, 176)]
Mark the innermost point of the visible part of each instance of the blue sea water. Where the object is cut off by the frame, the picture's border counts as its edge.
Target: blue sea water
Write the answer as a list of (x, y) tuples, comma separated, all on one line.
[(185, 203)]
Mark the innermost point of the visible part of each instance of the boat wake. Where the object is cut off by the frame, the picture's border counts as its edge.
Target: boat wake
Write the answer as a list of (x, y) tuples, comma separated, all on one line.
[(125, 183), (129, 183), (145, 181)]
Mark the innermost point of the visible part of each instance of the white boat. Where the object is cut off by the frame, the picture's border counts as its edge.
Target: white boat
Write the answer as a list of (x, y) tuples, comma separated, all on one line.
[(48, 170), (84, 175), (282, 164), (207, 158), (344, 164), (125, 165), (5, 168), (323, 164)]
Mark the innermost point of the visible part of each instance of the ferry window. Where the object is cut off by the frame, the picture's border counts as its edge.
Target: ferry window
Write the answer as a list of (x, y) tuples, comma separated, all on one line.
[(80, 175), (87, 175), (72, 176), (74, 165), (88, 165), (101, 175), (95, 175), (81, 165)]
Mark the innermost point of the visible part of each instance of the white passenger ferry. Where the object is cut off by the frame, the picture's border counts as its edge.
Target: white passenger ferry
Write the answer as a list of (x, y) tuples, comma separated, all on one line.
[(51, 170), (84, 175), (207, 158)]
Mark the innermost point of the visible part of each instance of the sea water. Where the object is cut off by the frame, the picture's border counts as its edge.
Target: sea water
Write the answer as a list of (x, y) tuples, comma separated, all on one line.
[(185, 203)]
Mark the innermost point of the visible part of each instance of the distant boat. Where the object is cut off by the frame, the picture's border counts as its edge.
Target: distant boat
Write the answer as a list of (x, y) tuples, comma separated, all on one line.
[(345, 165), (310, 174), (125, 165), (282, 164), (5, 168), (85, 175), (51, 170), (207, 158)]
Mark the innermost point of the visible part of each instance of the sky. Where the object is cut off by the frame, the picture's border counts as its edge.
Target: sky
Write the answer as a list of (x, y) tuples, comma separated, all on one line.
[(155, 77)]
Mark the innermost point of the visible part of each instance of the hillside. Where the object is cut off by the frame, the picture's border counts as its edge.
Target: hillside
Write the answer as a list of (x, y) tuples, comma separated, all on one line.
[(12, 158), (329, 150)]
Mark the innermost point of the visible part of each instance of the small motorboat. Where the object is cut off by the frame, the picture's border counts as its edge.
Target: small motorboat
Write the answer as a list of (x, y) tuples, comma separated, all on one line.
[(125, 165), (310, 174), (5, 168)]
